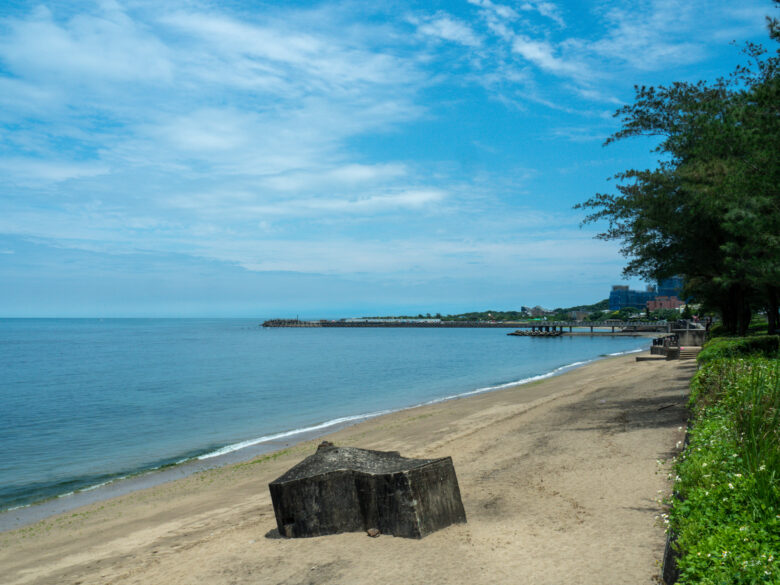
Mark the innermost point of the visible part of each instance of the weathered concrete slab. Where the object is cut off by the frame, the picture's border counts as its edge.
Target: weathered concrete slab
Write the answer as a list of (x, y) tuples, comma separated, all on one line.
[(345, 489)]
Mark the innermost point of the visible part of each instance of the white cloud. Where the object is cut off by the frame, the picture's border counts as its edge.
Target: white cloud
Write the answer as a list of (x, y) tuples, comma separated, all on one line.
[(433, 257), (29, 171), (445, 27), (547, 9), (249, 53), (336, 178), (18, 96), (655, 34), (85, 49), (541, 54), (582, 134), (248, 205), (497, 10)]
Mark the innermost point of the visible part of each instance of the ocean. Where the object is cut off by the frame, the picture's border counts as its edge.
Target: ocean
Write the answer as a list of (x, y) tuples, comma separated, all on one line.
[(88, 401)]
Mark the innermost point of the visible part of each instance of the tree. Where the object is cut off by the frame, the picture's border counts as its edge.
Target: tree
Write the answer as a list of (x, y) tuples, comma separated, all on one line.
[(711, 209), (665, 315)]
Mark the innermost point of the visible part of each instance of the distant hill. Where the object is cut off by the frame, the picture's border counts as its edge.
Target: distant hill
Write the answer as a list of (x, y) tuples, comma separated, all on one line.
[(600, 306), (493, 315)]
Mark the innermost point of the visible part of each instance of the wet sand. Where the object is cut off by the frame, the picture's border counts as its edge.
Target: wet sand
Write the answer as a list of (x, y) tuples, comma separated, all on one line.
[(559, 480)]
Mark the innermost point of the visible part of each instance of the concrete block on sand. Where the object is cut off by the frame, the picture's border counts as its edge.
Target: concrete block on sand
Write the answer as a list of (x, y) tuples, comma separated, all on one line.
[(345, 489)]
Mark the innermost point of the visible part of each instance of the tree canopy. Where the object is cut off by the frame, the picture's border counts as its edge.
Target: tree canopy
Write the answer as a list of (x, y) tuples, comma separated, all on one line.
[(710, 210)]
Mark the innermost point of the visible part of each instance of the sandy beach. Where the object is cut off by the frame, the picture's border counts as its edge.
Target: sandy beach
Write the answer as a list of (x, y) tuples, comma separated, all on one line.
[(559, 479)]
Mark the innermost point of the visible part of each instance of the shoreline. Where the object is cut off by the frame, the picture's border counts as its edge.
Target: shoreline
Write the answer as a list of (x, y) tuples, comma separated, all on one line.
[(240, 452), (559, 479)]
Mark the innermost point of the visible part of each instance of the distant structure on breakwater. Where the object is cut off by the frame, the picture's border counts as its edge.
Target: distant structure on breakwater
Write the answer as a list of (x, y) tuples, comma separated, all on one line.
[(534, 326)]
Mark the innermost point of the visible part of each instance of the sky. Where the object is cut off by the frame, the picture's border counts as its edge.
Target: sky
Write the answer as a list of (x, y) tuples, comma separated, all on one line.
[(326, 159)]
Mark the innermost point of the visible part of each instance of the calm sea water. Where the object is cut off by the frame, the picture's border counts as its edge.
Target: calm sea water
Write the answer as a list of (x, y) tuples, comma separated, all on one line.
[(88, 400)]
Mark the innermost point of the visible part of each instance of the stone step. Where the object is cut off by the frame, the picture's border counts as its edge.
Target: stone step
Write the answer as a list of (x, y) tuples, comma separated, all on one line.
[(689, 353)]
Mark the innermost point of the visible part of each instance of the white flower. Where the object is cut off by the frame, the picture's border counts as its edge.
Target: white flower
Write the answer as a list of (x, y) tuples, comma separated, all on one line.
[(731, 485)]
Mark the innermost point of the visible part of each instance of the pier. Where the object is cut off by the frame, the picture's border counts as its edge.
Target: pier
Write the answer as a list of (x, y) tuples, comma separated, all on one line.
[(532, 327)]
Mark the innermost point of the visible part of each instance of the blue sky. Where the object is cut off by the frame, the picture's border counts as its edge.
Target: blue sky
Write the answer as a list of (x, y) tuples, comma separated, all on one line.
[(325, 158)]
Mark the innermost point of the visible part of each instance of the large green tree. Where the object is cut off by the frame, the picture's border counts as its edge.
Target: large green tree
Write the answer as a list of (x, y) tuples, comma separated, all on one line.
[(710, 210)]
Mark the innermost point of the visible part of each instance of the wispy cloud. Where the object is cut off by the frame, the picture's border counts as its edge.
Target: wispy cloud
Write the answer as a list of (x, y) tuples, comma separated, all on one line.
[(445, 27), (650, 36), (548, 9), (31, 171), (89, 49), (371, 204), (335, 178), (542, 54), (321, 138)]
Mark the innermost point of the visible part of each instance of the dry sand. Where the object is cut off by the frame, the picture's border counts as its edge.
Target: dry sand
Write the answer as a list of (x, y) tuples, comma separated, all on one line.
[(559, 480)]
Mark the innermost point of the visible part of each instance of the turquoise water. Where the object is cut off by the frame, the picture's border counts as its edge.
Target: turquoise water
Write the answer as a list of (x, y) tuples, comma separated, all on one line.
[(89, 400)]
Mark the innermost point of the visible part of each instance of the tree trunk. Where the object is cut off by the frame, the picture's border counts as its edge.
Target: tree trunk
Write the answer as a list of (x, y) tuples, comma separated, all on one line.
[(727, 318), (744, 313), (771, 310), (729, 311)]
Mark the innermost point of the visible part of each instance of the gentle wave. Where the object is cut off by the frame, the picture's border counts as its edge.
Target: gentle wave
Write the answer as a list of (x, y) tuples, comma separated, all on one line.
[(550, 374), (252, 442), (366, 416), (641, 349)]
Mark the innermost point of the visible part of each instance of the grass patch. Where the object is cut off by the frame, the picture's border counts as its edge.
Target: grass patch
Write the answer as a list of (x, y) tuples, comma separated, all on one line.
[(727, 515)]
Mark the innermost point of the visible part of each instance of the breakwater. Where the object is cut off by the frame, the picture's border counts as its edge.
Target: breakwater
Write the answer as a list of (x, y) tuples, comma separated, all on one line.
[(534, 333), (389, 323), (540, 326)]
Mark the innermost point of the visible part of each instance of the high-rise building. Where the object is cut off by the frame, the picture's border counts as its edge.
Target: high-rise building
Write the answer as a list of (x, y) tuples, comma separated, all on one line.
[(670, 287), (622, 297)]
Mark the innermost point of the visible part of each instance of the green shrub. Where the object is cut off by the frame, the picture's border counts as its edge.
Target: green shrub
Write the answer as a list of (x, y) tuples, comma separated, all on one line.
[(727, 516), (728, 347), (758, 326)]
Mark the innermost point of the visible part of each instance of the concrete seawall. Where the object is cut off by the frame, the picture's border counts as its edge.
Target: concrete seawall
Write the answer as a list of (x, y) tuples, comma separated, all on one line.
[(439, 324)]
